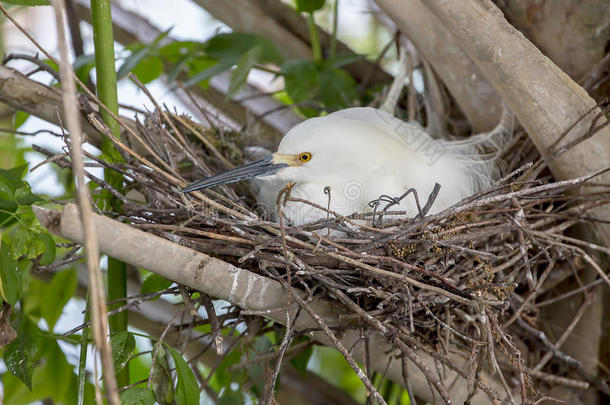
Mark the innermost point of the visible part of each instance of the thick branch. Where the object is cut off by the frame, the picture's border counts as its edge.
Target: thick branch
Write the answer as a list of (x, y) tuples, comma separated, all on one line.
[(573, 34), (153, 316), (544, 99), (243, 288), (44, 102), (470, 89)]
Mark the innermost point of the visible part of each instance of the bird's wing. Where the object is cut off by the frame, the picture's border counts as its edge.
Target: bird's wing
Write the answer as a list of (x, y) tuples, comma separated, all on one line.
[(466, 155)]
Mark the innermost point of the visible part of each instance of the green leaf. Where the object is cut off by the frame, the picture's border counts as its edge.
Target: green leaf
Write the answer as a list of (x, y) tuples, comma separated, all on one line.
[(137, 56), (301, 360), (240, 74), (154, 283), (337, 88), (301, 79), (187, 389), (342, 60), (309, 6), (28, 2), (13, 192), (178, 68), (161, 378), (51, 64), (223, 376), (230, 397), (8, 204), (49, 252), (137, 396), (20, 118), (207, 73), (132, 61), (53, 378), (57, 294), (24, 195), (257, 371), (19, 354), (7, 193), (179, 49), (123, 345), (230, 47), (83, 65), (149, 69), (83, 60), (11, 284), (27, 242), (14, 177)]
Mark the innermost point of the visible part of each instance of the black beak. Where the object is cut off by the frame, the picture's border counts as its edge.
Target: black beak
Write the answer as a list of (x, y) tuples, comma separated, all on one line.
[(263, 167)]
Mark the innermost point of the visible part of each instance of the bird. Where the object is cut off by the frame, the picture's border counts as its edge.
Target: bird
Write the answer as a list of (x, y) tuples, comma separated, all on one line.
[(346, 161)]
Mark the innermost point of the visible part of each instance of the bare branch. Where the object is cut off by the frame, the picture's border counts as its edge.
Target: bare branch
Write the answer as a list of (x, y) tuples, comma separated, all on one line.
[(44, 102)]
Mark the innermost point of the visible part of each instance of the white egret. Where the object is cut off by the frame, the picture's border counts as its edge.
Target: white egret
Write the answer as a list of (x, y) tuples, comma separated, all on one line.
[(361, 154)]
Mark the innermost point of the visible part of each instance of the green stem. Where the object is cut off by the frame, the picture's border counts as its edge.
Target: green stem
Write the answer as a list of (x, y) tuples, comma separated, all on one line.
[(315, 41), (82, 361), (106, 82), (333, 38), (103, 40)]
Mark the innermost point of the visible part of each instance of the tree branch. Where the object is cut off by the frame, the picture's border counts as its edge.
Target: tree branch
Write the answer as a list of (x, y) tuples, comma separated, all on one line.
[(248, 290), (573, 35), (544, 99), (470, 89), (44, 102), (153, 316)]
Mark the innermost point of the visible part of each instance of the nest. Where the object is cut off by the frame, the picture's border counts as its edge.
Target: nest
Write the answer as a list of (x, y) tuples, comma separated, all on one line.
[(473, 280)]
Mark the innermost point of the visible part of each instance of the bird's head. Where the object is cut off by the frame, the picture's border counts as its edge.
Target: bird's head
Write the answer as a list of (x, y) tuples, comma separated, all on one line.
[(304, 152), (278, 163), (320, 149)]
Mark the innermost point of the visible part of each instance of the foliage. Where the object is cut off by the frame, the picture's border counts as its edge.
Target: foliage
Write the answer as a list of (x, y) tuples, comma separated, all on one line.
[(28, 2), (319, 84), (23, 239)]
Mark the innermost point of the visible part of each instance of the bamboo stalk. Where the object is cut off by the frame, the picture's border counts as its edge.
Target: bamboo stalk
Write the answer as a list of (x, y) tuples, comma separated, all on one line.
[(107, 92)]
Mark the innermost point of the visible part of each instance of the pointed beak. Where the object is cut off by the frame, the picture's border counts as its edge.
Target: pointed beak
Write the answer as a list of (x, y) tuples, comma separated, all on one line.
[(263, 167)]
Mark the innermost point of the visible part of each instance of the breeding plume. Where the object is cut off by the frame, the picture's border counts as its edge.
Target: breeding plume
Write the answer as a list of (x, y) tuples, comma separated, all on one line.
[(350, 158)]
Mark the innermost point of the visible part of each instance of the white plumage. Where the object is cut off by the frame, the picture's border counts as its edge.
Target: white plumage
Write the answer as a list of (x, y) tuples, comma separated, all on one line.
[(363, 153)]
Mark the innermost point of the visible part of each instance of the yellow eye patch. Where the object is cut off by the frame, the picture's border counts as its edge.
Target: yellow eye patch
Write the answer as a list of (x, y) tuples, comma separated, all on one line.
[(305, 157)]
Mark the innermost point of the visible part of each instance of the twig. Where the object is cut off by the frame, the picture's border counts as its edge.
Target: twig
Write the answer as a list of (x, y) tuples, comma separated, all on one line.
[(98, 299), (434, 380), (371, 389), (215, 325), (554, 348), (268, 394)]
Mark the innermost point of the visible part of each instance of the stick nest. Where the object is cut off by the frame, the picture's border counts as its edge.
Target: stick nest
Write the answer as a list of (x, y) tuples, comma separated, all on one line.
[(479, 280)]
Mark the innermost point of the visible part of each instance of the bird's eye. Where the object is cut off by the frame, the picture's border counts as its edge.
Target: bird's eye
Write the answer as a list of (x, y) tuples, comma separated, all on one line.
[(305, 157)]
